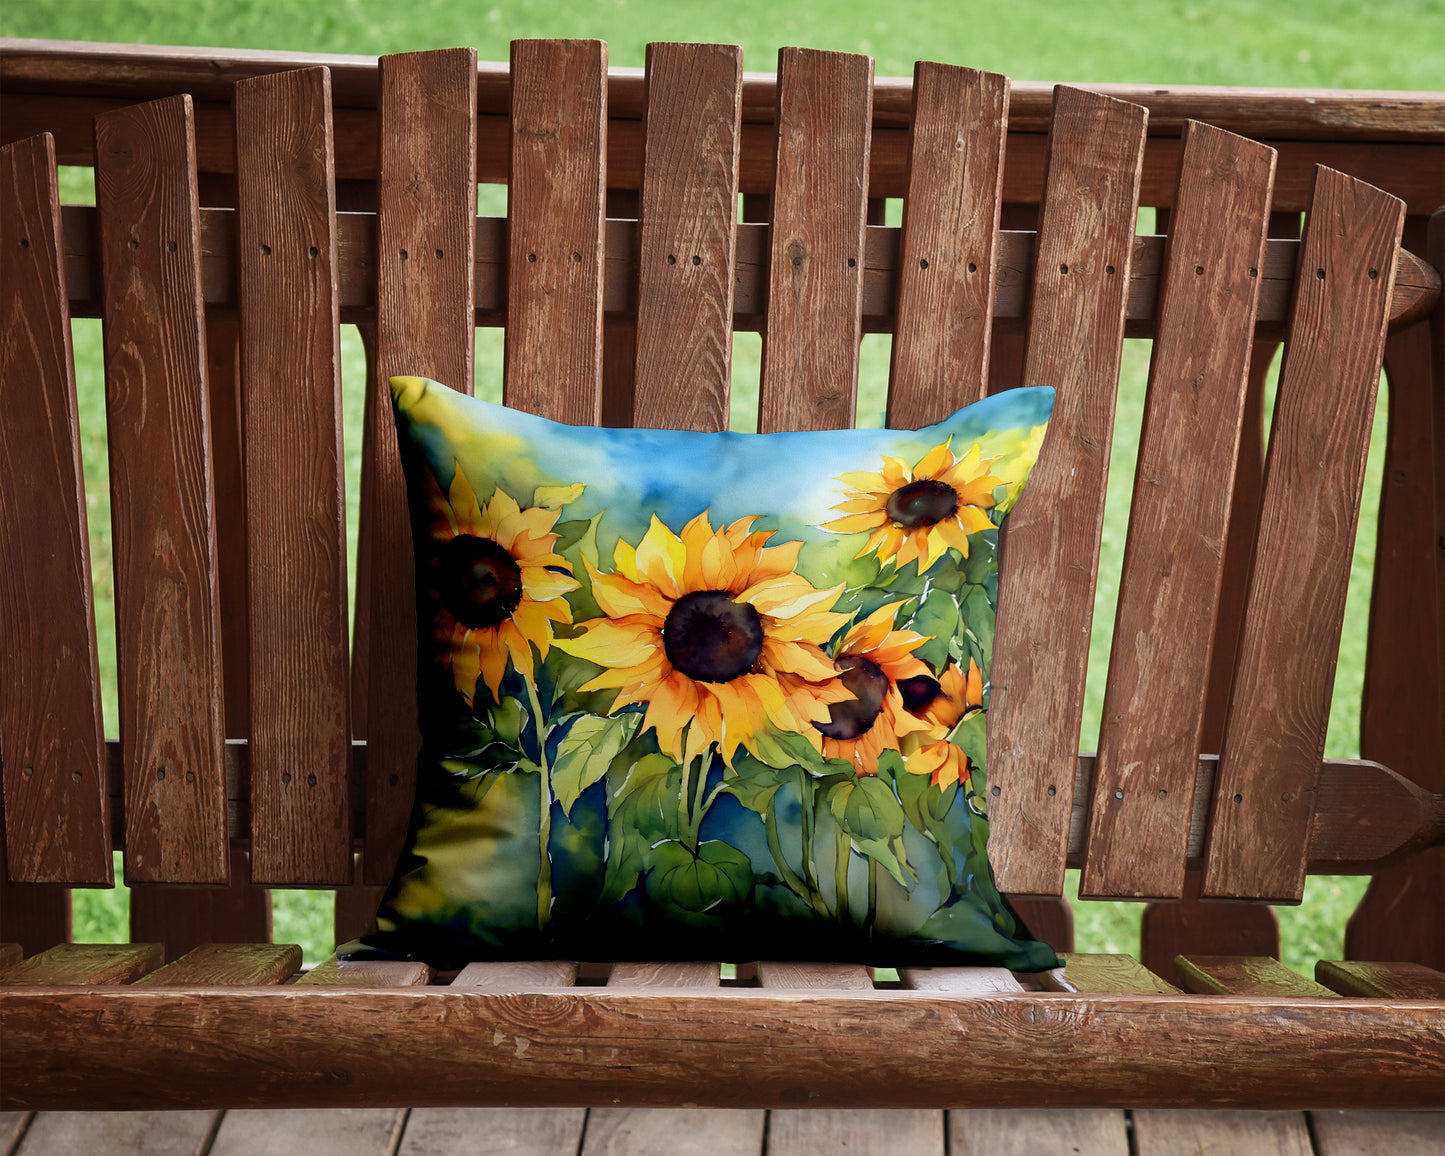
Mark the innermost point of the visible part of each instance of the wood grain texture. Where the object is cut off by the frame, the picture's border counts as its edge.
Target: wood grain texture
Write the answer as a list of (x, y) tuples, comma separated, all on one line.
[(294, 1046), (687, 236), (1031, 1131), (426, 223), (300, 756), (1173, 1131), (1154, 700), (85, 963), (119, 1133), (167, 618), (1383, 980), (555, 206), (1191, 925), (57, 823), (335, 972), (33, 915), (476, 1131), (876, 1132), (1096, 972), (184, 917), (674, 1132), (814, 976), (1400, 915), (522, 975), (816, 242), (1242, 975), (1050, 556), (664, 975), (1378, 1133), (333, 1132), (228, 963), (959, 980), (949, 247), (1275, 733)]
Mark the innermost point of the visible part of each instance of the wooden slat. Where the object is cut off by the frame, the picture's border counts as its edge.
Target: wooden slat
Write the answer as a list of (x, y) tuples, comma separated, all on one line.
[(295, 500), (426, 218), (228, 963), (85, 963), (33, 915), (1384, 980), (949, 248), (183, 918), (1378, 1133), (1031, 1131), (522, 975), (959, 980), (1192, 925), (1243, 975), (325, 1132), (555, 205), (664, 975), (816, 259), (674, 1132), (335, 972), (814, 976), (1279, 709), (144, 1133), (1154, 701), (56, 819), (515, 1131), (12, 1127), (168, 632), (687, 236), (879, 1132), (1097, 972), (1172, 1131), (1081, 275)]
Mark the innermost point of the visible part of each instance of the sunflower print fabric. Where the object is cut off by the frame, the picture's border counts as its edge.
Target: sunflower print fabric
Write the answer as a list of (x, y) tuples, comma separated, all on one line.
[(704, 696)]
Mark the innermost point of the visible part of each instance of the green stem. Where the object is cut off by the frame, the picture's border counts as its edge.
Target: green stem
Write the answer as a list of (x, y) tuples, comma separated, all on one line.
[(844, 847), (808, 797), (872, 889), (544, 824), (790, 877), (699, 788)]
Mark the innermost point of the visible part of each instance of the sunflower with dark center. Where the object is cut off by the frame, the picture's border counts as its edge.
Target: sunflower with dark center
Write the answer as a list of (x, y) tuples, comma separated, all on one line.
[(942, 704), (497, 584), (716, 633), (874, 659), (916, 513)]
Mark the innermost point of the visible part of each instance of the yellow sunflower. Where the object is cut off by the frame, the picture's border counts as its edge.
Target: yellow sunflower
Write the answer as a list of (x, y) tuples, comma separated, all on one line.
[(716, 633), (942, 703), (919, 512), (497, 581), (873, 658)]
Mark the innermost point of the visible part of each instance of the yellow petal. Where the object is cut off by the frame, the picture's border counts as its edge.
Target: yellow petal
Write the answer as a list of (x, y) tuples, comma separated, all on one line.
[(662, 559), (616, 644), (934, 462)]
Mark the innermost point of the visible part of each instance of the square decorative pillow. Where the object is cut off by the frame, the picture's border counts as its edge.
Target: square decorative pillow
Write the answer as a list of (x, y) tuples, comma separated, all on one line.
[(704, 696)]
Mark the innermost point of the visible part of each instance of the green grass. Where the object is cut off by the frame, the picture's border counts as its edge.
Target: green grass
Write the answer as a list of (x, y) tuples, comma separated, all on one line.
[(1307, 43)]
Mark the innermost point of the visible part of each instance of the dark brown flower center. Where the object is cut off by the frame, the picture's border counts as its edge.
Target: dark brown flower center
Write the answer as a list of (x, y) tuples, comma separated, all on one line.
[(865, 678), (919, 692), (922, 503), (712, 638), (479, 582)]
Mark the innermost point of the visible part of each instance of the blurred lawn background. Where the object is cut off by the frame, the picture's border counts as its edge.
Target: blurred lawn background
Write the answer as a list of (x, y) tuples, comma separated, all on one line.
[(1377, 44)]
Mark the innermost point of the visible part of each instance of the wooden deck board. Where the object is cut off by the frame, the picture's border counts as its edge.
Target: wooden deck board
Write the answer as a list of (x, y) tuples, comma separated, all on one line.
[(119, 1134), (309, 1132)]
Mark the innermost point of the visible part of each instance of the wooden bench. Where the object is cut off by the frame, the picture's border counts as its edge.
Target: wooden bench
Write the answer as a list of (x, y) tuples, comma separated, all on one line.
[(242, 214)]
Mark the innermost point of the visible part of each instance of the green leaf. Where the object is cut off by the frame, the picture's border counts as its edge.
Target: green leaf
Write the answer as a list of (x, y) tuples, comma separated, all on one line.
[(784, 749), (978, 623), (719, 875), (756, 783), (972, 736), (866, 809), (585, 753), (891, 856), (937, 617)]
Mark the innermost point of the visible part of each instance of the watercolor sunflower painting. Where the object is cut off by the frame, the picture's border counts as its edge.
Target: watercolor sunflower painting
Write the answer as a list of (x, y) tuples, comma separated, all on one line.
[(719, 696)]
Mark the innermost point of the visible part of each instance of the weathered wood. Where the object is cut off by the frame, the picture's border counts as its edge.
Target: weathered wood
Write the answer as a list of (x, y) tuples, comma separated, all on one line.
[(1243, 975), (13, 1126), (33, 915), (228, 963), (335, 972), (947, 267), (1275, 732), (84, 964), (814, 976), (320, 1048), (687, 236), (674, 1132), (1176, 1130), (959, 980), (519, 976), (1030, 1131), (664, 975), (1076, 331), (131, 1133), (1154, 702), (816, 260), (10, 953), (1384, 980), (426, 220), (1094, 972), (515, 1131), (295, 500), (1378, 1133), (168, 631), (1190, 924), (878, 1132), (183, 917), (56, 818), (555, 206), (333, 1132)]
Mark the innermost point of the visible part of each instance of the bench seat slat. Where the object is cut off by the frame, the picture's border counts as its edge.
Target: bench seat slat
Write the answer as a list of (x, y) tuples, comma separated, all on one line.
[(74, 964), (1154, 701), (1243, 975), (184, 917), (300, 757), (57, 826), (1051, 552), (814, 976), (1093, 972), (335, 972), (1384, 980), (228, 963), (517, 976), (1275, 733), (959, 980), (168, 632)]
